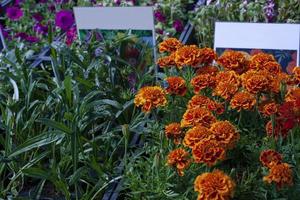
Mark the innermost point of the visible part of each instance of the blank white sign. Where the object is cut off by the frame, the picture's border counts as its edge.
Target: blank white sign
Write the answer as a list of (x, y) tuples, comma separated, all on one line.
[(257, 36), (112, 18)]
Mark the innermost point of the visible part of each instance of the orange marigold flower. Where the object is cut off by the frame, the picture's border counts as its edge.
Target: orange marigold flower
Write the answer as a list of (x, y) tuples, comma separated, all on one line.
[(176, 85), (268, 109), (214, 186), (197, 134), (167, 61), (234, 60), (188, 55), (225, 134), (270, 157), (280, 78), (173, 131), (205, 102), (256, 81), (150, 97), (227, 84), (208, 152), (198, 101), (208, 55), (228, 76), (207, 70), (226, 90), (179, 159), (169, 45), (272, 67), (296, 73), (242, 100), (202, 81), (292, 95), (281, 175), (197, 116), (258, 60)]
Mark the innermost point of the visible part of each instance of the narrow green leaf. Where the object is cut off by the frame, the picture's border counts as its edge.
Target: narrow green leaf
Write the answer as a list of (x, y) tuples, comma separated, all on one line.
[(56, 125), (38, 141)]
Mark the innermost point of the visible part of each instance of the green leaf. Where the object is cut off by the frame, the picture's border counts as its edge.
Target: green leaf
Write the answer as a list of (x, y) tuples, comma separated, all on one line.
[(38, 141), (68, 88), (56, 125), (37, 173)]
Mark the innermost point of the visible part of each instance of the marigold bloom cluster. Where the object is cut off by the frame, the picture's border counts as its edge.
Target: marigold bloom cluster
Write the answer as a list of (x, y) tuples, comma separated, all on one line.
[(214, 186), (179, 159), (176, 86), (150, 97)]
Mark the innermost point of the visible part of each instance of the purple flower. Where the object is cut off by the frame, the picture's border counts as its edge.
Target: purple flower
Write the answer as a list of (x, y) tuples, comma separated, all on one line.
[(159, 31), (43, 1), (32, 39), (159, 16), (21, 35), (40, 28), (14, 13), (64, 19), (18, 2), (118, 2), (177, 24), (71, 35), (269, 10), (51, 7), (38, 17)]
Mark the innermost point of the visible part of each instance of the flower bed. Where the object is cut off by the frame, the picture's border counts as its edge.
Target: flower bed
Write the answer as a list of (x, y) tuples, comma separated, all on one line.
[(222, 131)]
